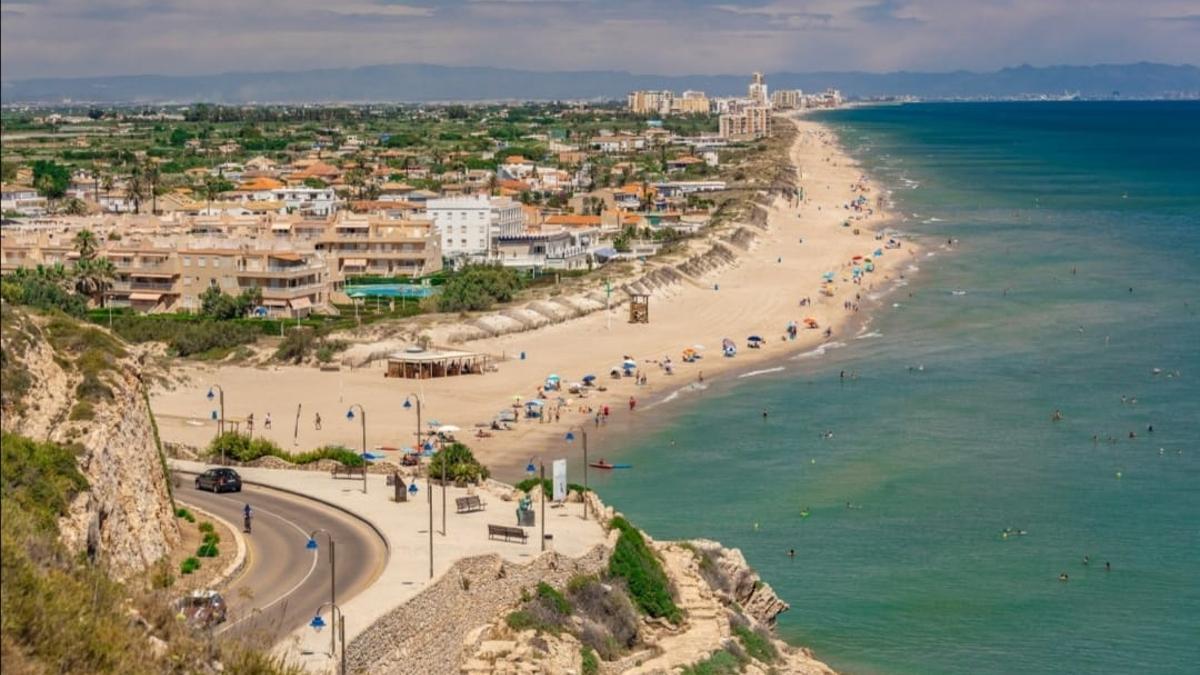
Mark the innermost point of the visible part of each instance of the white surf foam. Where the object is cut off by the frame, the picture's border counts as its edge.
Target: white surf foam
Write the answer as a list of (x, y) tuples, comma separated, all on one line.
[(764, 371)]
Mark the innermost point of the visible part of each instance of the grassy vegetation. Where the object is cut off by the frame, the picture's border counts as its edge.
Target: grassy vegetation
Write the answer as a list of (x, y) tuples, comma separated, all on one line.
[(721, 662), (242, 448), (60, 614), (589, 664), (92, 354), (757, 644), (633, 561)]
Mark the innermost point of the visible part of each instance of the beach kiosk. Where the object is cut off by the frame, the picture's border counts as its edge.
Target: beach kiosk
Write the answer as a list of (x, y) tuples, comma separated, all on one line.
[(420, 364), (639, 308)]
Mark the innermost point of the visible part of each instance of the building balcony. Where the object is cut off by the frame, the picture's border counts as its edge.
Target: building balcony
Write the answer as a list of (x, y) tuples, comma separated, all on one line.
[(289, 292)]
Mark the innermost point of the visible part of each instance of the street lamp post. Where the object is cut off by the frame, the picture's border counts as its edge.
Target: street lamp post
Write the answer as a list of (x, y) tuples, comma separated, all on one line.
[(542, 487), (221, 423), (571, 437), (363, 419), (312, 546), (428, 482), (339, 625)]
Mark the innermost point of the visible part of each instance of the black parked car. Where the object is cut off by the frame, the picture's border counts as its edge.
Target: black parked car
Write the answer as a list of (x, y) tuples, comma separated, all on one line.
[(219, 480)]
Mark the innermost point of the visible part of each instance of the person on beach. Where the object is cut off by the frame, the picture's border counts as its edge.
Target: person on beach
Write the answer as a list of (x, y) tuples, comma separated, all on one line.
[(701, 376), (632, 403), (317, 421), (267, 421)]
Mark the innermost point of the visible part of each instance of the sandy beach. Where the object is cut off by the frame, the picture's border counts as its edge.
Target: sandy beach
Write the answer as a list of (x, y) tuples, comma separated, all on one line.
[(758, 295)]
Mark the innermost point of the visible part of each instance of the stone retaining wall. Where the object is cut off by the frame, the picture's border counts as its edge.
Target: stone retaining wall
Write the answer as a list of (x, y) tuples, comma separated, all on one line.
[(432, 633)]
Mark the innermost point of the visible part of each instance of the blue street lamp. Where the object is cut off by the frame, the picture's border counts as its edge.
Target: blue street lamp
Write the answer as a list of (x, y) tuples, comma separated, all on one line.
[(221, 424), (350, 418), (339, 623), (571, 437), (311, 545)]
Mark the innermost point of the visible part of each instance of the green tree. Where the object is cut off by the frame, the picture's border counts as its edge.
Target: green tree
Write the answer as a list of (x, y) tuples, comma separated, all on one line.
[(86, 244), (221, 306), (51, 179), (93, 277), (179, 137)]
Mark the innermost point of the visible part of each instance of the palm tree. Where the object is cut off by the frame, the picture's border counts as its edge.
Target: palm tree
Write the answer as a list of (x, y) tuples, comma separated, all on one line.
[(152, 176), (86, 244), (136, 188), (93, 278)]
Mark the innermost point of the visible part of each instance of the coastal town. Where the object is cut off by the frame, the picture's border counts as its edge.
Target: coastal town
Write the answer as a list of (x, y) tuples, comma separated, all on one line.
[(532, 337), (468, 276)]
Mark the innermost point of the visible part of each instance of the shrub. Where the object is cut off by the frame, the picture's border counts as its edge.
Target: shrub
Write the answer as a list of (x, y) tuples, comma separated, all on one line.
[(181, 512), (548, 485), (206, 527), (478, 287), (184, 335), (633, 561), (296, 345), (460, 464), (242, 448), (720, 663), (610, 621), (207, 550), (589, 664), (189, 565), (552, 596), (757, 643)]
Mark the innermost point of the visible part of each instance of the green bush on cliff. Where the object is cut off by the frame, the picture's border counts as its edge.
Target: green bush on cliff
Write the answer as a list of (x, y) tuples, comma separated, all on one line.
[(633, 561)]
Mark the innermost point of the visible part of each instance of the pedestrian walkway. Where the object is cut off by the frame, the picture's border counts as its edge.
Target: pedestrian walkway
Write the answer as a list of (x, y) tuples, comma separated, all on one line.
[(405, 528)]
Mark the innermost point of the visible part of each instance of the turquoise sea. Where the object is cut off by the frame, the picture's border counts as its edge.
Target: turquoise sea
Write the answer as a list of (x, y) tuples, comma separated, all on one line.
[(1078, 246)]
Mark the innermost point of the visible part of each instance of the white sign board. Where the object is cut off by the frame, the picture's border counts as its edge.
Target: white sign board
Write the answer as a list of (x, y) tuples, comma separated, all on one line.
[(560, 480)]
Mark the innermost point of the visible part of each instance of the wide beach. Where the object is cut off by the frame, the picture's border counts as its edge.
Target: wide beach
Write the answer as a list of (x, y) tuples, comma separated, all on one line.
[(758, 295)]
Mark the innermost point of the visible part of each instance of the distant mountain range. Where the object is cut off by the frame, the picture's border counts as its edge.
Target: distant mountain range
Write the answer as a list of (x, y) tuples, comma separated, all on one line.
[(422, 82)]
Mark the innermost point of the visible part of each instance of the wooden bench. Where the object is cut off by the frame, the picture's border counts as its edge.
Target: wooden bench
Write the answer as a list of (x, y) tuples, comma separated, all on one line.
[(469, 504), (507, 533), (348, 471)]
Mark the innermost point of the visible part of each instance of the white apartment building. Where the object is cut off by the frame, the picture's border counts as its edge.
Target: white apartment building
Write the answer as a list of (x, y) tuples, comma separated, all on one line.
[(23, 200), (468, 225)]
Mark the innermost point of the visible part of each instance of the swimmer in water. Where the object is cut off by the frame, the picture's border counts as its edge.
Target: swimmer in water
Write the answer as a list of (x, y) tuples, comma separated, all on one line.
[(1085, 560), (791, 553), (1057, 416), (1063, 577)]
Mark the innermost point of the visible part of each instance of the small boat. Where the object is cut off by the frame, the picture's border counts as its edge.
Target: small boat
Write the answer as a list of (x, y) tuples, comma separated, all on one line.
[(601, 464)]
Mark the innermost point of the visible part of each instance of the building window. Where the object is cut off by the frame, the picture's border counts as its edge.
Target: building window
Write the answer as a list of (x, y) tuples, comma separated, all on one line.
[(187, 261)]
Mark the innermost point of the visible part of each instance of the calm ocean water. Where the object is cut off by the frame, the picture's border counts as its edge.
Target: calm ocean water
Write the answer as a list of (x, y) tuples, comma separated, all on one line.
[(1060, 209)]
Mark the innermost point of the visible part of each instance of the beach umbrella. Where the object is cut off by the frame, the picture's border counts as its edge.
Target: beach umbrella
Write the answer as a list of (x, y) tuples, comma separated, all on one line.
[(553, 378), (754, 338), (629, 363), (878, 252), (589, 378), (535, 403), (447, 429), (698, 348), (857, 257), (433, 424), (828, 276)]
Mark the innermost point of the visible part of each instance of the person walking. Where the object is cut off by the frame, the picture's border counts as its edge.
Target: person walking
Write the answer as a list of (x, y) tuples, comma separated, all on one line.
[(317, 421), (267, 422)]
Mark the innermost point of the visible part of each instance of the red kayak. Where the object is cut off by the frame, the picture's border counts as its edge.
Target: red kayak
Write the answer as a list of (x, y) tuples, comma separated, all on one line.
[(605, 465)]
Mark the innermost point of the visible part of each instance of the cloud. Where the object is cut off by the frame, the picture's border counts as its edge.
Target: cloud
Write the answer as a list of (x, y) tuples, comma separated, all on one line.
[(101, 37)]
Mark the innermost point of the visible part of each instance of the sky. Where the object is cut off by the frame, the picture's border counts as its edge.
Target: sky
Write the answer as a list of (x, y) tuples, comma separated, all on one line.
[(68, 38)]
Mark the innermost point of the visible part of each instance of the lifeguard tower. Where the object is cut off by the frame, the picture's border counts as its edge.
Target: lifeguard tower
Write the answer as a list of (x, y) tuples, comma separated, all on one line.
[(639, 308)]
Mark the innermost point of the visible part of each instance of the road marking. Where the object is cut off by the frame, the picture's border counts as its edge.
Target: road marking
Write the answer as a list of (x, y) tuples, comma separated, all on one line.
[(286, 593)]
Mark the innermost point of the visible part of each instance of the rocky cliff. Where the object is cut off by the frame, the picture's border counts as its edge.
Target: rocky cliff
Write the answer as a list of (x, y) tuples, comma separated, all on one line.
[(77, 385)]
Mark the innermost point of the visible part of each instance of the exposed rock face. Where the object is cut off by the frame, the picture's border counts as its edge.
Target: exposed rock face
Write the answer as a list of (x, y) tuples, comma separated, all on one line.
[(741, 582), (125, 518)]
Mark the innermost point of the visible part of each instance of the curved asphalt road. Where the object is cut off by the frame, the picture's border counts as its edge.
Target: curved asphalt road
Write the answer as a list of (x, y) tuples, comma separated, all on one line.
[(282, 583)]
